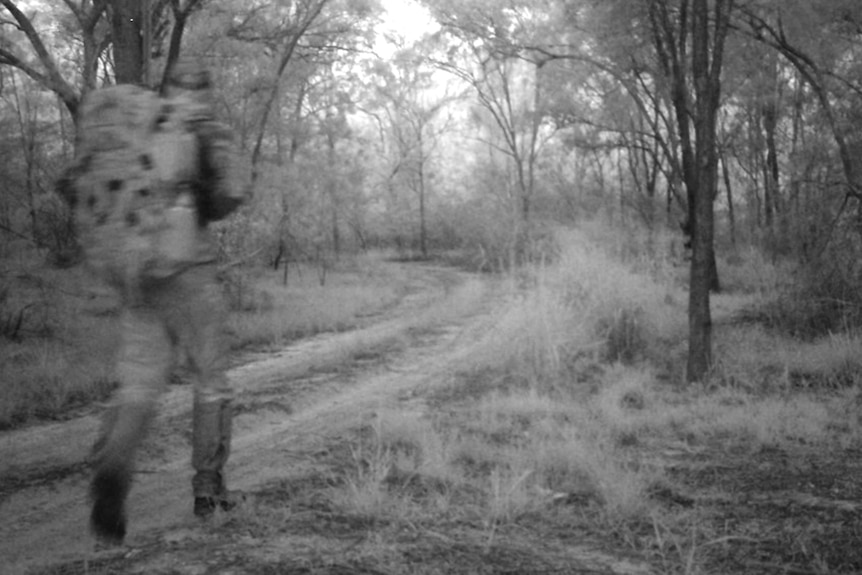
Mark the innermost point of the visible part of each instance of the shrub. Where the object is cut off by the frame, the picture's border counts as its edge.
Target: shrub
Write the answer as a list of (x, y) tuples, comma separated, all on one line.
[(56, 346), (11, 315), (623, 334), (825, 297)]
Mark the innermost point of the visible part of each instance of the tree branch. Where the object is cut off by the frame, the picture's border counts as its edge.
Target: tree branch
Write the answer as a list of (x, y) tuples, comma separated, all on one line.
[(17, 234), (51, 79)]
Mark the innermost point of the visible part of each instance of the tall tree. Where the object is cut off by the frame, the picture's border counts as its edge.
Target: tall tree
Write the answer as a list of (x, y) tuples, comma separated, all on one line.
[(708, 35), (494, 52), (795, 29), (405, 91), (688, 38), (128, 31), (134, 29), (292, 25)]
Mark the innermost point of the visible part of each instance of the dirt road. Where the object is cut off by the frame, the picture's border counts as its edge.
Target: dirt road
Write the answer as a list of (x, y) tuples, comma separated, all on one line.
[(291, 404)]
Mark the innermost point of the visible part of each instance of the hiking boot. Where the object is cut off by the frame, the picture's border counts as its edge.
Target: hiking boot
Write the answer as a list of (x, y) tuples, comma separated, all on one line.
[(206, 505), (108, 516)]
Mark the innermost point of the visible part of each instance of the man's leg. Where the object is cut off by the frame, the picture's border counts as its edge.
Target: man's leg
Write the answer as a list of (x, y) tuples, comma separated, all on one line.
[(201, 334), (142, 367), (211, 436)]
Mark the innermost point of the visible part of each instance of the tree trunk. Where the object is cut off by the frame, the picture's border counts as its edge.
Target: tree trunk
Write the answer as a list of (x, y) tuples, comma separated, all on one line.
[(295, 121), (127, 28), (695, 100), (332, 192), (423, 232), (706, 73), (771, 172), (27, 126), (729, 192), (671, 40), (181, 16)]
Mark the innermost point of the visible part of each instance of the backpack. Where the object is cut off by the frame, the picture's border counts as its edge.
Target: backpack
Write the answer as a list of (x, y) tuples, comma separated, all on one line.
[(138, 159)]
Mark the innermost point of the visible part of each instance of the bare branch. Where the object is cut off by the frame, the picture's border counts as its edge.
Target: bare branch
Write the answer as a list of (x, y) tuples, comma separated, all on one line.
[(10, 231), (51, 79), (96, 13), (75, 9), (8, 57)]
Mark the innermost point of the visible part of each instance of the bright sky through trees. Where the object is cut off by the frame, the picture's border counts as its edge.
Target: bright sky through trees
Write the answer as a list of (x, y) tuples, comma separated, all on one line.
[(406, 19)]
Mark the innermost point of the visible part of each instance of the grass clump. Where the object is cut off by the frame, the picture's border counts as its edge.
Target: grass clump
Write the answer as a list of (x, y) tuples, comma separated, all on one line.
[(58, 328), (585, 310), (62, 355), (824, 296), (43, 379), (401, 465), (633, 316), (502, 458), (271, 314), (579, 409), (568, 411), (750, 271), (624, 336)]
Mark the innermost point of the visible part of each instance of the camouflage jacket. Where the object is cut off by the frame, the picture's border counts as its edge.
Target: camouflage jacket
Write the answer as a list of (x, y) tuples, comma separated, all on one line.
[(138, 156)]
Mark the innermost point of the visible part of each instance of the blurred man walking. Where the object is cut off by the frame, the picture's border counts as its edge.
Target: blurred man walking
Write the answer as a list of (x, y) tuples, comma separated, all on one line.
[(151, 173)]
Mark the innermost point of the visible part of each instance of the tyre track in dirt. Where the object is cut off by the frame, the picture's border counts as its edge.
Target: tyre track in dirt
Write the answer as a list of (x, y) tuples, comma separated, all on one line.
[(282, 401), (292, 405)]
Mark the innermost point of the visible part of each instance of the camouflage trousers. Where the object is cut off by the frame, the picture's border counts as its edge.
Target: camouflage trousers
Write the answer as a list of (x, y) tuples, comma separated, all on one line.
[(185, 312)]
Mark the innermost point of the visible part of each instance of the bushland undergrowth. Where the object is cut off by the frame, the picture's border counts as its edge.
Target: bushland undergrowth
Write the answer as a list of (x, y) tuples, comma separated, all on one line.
[(59, 331), (574, 409)]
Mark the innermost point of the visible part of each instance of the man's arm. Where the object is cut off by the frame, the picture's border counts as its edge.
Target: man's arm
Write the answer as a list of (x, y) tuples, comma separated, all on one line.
[(219, 190)]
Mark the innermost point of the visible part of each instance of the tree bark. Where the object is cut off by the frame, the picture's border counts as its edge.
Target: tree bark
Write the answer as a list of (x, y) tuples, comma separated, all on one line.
[(420, 168), (181, 16), (695, 100), (729, 192), (706, 75), (127, 28), (332, 192), (771, 172)]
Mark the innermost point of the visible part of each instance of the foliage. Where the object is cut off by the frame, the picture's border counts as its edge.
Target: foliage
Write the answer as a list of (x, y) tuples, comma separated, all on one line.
[(57, 338), (615, 450), (479, 133), (825, 298), (487, 137)]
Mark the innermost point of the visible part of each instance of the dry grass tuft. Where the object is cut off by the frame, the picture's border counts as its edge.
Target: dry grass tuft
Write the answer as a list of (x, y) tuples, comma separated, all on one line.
[(62, 356), (593, 343), (276, 314), (67, 361)]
